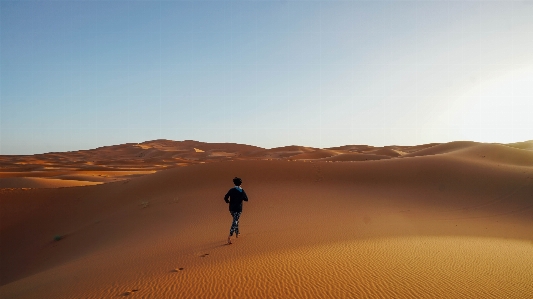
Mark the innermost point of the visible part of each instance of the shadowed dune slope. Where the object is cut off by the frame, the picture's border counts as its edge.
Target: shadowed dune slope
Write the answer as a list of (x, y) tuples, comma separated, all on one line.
[(317, 154), (353, 148), (384, 152), (292, 148), (449, 224)]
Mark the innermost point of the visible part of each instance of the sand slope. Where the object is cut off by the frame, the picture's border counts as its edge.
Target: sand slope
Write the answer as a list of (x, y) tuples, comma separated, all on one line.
[(31, 182), (449, 224), (441, 148), (526, 145), (318, 154), (356, 157)]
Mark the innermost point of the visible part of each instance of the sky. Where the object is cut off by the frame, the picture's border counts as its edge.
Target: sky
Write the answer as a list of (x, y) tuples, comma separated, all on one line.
[(84, 74)]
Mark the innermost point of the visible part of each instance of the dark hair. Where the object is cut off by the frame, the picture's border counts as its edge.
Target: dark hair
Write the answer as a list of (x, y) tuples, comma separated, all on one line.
[(237, 181)]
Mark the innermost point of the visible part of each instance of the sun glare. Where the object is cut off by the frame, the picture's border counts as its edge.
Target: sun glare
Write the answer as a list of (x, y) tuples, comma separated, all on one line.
[(497, 108)]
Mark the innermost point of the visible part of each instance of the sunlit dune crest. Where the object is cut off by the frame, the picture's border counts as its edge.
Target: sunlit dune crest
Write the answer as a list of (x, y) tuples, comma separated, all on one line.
[(25, 182), (526, 145), (442, 148), (148, 220)]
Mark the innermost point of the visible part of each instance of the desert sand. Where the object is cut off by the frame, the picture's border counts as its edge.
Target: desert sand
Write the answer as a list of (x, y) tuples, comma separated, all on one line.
[(452, 220)]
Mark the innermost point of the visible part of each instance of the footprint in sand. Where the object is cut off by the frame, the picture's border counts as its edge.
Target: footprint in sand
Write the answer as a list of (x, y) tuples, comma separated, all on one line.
[(127, 293)]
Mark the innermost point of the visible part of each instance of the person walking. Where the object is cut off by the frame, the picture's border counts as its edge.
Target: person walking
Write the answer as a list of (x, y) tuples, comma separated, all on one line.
[(236, 196)]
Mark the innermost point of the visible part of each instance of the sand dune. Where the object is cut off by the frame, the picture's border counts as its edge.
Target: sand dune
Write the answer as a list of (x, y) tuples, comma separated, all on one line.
[(293, 148), (353, 148), (414, 148), (356, 157), (441, 148), (526, 145), (497, 153), (383, 152), (453, 222), (25, 182), (284, 152), (317, 154)]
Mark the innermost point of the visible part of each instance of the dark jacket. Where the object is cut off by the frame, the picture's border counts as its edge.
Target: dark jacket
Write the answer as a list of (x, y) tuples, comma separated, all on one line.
[(236, 197)]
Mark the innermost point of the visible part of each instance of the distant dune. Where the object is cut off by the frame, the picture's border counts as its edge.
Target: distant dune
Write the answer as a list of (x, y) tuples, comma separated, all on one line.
[(527, 145), (316, 154), (36, 182), (148, 220), (442, 148), (356, 157), (383, 152)]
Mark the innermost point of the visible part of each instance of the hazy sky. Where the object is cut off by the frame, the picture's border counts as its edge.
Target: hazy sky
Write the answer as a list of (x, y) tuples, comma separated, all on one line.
[(82, 74)]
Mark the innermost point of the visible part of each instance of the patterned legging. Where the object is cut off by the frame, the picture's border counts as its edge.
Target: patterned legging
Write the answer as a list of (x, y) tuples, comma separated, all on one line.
[(235, 223)]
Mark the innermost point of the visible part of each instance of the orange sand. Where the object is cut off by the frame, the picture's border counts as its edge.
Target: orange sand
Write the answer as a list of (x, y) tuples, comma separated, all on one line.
[(439, 221)]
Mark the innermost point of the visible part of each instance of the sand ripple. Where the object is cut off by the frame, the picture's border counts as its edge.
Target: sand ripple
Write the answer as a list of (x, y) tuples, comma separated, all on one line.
[(421, 267), (400, 267)]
